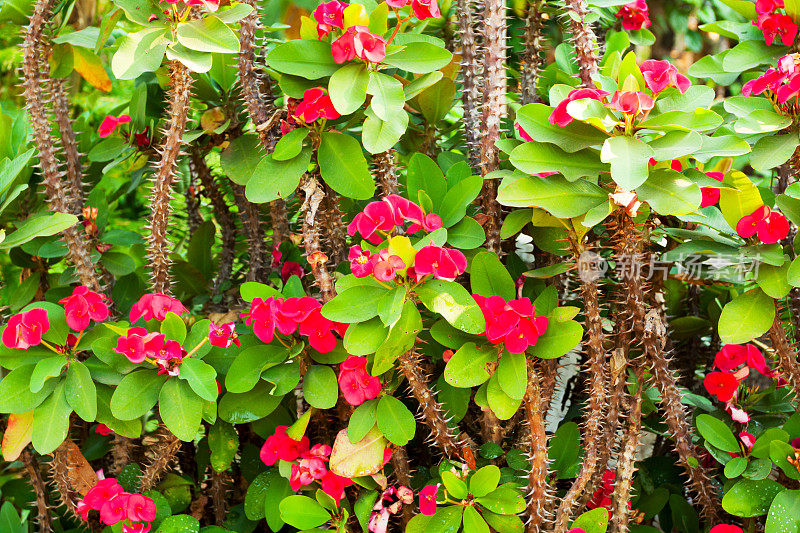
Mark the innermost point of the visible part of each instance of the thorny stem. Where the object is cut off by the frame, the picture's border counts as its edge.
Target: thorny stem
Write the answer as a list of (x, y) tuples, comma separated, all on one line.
[(470, 78), (584, 40), (317, 260), (35, 479), (532, 59), (620, 497), (538, 487), (163, 452), (785, 356)]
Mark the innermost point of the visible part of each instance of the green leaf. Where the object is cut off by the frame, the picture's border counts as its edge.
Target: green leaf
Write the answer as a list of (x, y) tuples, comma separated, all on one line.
[(594, 521), (290, 145), (173, 327), (241, 157), (739, 201), (575, 136), (454, 204), (773, 150), (136, 394), (421, 83), (180, 523), (488, 277), (425, 175), (401, 338), (717, 433), (223, 443), (139, 53), (356, 459), (484, 481), (557, 340), (343, 167), (749, 498), (419, 57), (201, 377), (51, 421), (735, 467), (752, 53), (255, 500), (381, 135), (80, 391), (208, 34), (501, 404), (534, 158), (246, 368), (773, 280), (468, 366), (675, 144), (554, 194), (307, 59), (348, 87), (446, 520), (512, 374), (746, 317), (454, 303), (670, 193), (45, 369), (356, 304), (362, 420), (387, 95), (505, 499), (248, 406), (721, 146), (320, 389), (761, 121), (395, 421), (784, 512), (193, 60), (454, 485), (180, 409), (699, 120), (468, 234), (38, 226), (302, 512), (363, 338), (437, 100), (629, 158), (273, 179)]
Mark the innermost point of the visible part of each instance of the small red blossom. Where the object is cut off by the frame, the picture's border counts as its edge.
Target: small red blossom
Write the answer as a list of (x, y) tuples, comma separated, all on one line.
[(390, 212), (25, 330), (83, 306), (561, 117), (771, 226), (731, 356), (311, 466), (280, 446), (443, 263), (768, 6), (513, 323), (635, 15), (360, 264), (103, 429), (602, 494), (631, 102), (356, 384), (774, 25), (329, 15), (333, 485), (658, 75), (710, 195), (386, 265), (721, 384), (110, 123), (223, 335), (132, 344), (425, 9), (141, 508), (155, 306), (427, 499), (358, 41), (748, 439), (291, 268), (316, 104)]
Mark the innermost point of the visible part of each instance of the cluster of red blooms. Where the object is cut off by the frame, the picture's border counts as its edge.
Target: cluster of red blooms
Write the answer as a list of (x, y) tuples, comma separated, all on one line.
[(773, 23), (26, 329), (355, 41), (734, 362), (602, 494), (116, 505), (385, 215), (356, 384), (138, 344), (83, 306), (290, 315), (635, 15), (658, 75), (309, 465), (770, 226), (316, 104), (442, 263), (155, 306), (512, 323), (427, 499), (422, 9), (783, 81)]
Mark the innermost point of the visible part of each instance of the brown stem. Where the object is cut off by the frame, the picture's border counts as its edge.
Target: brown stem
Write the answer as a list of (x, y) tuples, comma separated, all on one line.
[(178, 98), (317, 259), (470, 78), (163, 452), (121, 453), (384, 166), (35, 479), (402, 474), (68, 141), (626, 462), (60, 477), (251, 222), (785, 356), (539, 490), (219, 495), (532, 59), (584, 40), (331, 220)]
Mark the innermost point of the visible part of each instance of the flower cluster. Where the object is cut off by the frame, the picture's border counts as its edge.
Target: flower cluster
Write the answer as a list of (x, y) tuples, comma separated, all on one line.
[(354, 41), (783, 81), (390, 502), (139, 345), (513, 323), (422, 9), (308, 464), (356, 384), (659, 75), (602, 494), (734, 362), (427, 499), (110, 123), (83, 306), (315, 104), (380, 218), (774, 23), (635, 15), (116, 505), (432, 260), (222, 335), (290, 315), (770, 226), (155, 306), (25, 330), (631, 103)]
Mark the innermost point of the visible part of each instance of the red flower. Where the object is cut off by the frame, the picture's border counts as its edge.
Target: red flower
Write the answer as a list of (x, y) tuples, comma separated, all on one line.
[(261, 317), (770, 80), (281, 446), (368, 46), (561, 117), (771, 226), (356, 384), (222, 335), (443, 263), (425, 9), (635, 15), (385, 266), (777, 24), (103, 491), (731, 356), (316, 103), (748, 439), (522, 133), (329, 15), (722, 385), (407, 211), (725, 528), (114, 510), (768, 6), (427, 499), (658, 75), (319, 331), (141, 508), (132, 344), (289, 269), (343, 49), (710, 195), (333, 485), (83, 306), (602, 495), (110, 123), (26, 329), (385, 215), (103, 429), (360, 264), (513, 323), (631, 102), (156, 306), (310, 467)]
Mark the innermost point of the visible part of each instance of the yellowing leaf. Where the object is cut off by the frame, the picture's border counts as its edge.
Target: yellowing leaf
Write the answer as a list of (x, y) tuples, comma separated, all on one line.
[(402, 248), (212, 119), (355, 15), (88, 65), (17, 435), (363, 458)]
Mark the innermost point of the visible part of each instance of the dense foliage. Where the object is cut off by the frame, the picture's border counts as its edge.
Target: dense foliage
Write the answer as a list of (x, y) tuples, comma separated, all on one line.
[(400, 266)]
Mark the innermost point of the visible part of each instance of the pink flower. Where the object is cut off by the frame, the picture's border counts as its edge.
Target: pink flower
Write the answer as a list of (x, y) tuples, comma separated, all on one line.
[(222, 335), (662, 74), (260, 316), (561, 117), (356, 384), (738, 415), (281, 446), (103, 491), (360, 264), (156, 306), (83, 306), (635, 15), (110, 123), (771, 226), (513, 323), (721, 384), (368, 46), (291, 268), (343, 49), (427, 499), (83, 510), (141, 527), (770, 80), (425, 9), (777, 24), (319, 331), (710, 195), (631, 103), (768, 6), (311, 467), (333, 485), (385, 266), (141, 508), (316, 103), (114, 510), (443, 263), (725, 528), (748, 439), (132, 345), (330, 14), (26, 329), (390, 212)]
